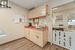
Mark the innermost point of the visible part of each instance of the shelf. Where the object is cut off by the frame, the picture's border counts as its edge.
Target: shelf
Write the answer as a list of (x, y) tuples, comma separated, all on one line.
[(38, 17)]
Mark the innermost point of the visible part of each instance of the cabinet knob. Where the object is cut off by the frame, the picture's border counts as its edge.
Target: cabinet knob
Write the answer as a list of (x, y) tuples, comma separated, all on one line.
[(37, 36)]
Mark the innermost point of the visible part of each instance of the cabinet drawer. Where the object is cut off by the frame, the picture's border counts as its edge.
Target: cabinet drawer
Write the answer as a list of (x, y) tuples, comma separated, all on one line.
[(37, 38)]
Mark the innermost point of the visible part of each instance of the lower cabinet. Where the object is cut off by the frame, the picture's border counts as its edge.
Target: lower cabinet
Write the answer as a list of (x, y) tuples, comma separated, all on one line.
[(62, 38), (38, 37), (27, 33)]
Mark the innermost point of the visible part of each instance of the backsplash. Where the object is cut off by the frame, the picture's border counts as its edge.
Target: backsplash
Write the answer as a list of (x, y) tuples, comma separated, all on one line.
[(39, 21)]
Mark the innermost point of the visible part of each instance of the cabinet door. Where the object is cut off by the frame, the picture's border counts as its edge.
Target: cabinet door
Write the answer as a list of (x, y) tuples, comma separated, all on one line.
[(73, 40), (30, 14), (68, 40), (27, 33), (54, 36), (61, 40), (57, 37), (32, 35), (36, 37)]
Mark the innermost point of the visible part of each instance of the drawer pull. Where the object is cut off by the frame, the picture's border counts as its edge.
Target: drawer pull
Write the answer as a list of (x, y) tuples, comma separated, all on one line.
[(36, 36), (70, 41), (64, 35), (55, 36), (59, 34), (59, 42), (64, 44)]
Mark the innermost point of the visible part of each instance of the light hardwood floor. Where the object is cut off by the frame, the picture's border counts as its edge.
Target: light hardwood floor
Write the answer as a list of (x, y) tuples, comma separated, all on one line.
[(25, 44)]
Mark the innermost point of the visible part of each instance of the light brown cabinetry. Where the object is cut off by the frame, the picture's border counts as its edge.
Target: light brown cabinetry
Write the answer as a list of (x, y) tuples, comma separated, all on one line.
[(40, 11), (38, 37), (27, 33)]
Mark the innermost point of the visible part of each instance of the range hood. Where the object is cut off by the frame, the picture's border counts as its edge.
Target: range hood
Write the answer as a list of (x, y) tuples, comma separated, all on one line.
[(4, 4)]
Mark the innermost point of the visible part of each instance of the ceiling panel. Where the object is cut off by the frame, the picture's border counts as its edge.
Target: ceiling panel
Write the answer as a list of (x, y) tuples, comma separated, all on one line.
[(29, 3)]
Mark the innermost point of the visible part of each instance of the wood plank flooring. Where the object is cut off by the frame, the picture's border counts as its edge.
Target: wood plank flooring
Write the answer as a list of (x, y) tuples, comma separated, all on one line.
[(25, 44)]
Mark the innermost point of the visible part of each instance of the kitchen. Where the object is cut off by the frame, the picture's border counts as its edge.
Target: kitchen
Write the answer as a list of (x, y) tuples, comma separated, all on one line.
[(51, 23)]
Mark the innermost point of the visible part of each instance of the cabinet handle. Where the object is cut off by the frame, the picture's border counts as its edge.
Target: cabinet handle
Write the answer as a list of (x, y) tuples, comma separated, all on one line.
[(70, 41), (36, 36), (55, 36), (59, 34), (59, 42), (64, 35), (64, 39), (64, 44)]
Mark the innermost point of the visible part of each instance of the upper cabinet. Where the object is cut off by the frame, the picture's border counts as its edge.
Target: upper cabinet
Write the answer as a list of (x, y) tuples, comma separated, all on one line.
[(40, 11), (63, 14)]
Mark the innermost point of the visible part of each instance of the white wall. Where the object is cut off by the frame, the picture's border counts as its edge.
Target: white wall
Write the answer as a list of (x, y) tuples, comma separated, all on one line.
[(12, 30), (52, 4), (55, 3)]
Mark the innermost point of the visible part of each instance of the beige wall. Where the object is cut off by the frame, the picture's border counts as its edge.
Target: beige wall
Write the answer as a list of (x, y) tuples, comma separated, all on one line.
[(12, 30), (54, 3)]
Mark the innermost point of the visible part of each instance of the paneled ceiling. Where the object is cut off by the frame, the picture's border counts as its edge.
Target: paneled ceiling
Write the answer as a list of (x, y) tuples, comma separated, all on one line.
[(28, 4)]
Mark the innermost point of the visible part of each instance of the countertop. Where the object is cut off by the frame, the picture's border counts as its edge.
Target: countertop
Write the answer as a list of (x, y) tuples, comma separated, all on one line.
[(34, 28)]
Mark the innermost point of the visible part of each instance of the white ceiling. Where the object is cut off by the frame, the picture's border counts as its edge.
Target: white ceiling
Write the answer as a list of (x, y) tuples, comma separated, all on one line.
[(65, 7), (29, 3)]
